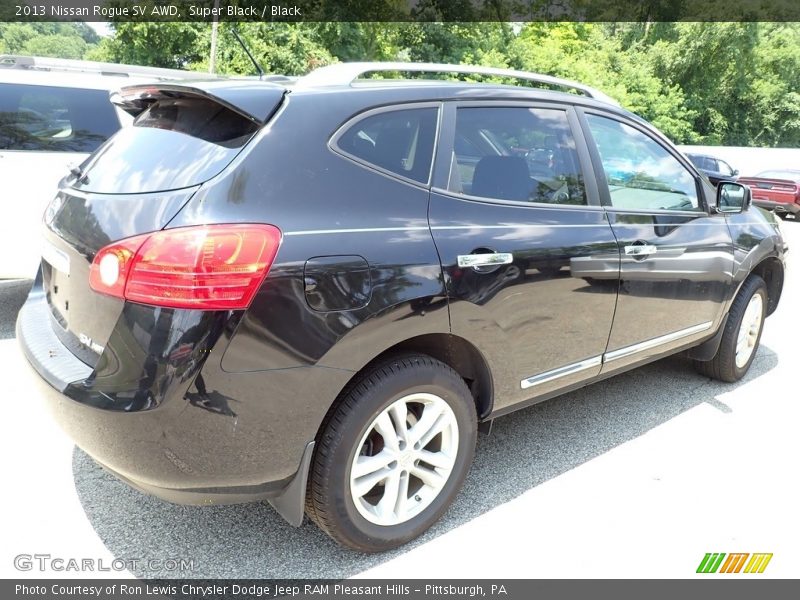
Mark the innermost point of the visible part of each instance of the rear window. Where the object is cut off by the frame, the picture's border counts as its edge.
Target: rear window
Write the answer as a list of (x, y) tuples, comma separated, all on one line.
[(54, 119), (175, 143)]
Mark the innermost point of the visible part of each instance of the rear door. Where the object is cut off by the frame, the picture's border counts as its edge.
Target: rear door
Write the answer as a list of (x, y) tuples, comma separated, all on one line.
[(676, 258), (530, 262)]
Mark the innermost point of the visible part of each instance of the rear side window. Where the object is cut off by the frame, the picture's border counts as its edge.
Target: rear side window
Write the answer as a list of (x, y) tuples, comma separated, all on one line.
[(175, 143), (520, 154), (397, 141), (54, 119)]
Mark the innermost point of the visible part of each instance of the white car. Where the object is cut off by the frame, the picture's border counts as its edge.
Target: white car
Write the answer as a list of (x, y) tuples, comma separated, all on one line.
[(53, 114)]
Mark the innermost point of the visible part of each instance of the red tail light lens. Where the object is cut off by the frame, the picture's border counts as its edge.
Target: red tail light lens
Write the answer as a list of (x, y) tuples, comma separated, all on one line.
[(213, 267)]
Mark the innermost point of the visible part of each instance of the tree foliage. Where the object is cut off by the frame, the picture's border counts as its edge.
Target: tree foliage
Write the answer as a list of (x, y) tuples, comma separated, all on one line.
[(714, 83), (59, 40)]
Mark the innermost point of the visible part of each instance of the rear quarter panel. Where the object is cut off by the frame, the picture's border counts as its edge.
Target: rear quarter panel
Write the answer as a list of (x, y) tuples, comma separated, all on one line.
[(327, 206)]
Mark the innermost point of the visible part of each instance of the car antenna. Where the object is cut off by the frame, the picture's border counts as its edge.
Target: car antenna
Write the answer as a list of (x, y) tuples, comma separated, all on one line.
[(249, 55)]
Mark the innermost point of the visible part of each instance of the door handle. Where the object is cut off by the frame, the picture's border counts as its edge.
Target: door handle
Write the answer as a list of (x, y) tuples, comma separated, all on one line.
[(640, 249), (485, 260)]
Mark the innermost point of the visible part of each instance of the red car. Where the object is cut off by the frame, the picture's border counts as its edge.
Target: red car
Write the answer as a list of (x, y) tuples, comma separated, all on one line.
[(777, 190)]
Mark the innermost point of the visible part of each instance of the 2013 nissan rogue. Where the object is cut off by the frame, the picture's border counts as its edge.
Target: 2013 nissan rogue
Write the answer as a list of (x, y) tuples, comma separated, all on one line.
[(317, 293)]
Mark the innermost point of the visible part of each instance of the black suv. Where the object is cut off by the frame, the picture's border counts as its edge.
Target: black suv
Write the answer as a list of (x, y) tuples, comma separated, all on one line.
[(317, 293), (712, 167)]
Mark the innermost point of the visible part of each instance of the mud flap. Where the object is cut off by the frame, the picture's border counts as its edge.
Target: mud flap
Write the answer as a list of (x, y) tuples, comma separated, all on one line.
[(291, 503)]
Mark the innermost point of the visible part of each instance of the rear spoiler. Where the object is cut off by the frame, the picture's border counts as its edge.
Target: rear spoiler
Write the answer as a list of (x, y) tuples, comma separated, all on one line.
[(255, 101)]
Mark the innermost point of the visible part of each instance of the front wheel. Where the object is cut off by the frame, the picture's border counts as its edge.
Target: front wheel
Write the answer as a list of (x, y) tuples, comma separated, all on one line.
[(742, 334), (393, 455)]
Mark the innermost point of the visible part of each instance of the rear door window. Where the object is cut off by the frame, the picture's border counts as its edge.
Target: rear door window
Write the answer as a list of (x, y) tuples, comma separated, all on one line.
[(516, 153), (54, 119), (177, 142), (395, 141)]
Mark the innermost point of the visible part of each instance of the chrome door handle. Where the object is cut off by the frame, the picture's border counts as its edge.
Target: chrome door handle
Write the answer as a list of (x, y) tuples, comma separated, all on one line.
[(641, 250), (485, 260)]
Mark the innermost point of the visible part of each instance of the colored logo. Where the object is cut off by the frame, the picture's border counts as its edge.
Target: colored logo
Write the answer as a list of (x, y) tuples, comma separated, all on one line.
[(718, 563)]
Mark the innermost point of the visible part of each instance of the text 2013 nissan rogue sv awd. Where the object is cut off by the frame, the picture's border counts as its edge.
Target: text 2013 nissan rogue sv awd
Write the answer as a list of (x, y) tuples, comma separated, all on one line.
[(316, 293)]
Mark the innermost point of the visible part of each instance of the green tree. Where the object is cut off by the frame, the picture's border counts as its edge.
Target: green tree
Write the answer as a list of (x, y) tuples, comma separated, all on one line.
[(169, 45), (61, 40), (283, 48), (717, 83), (594, 54)]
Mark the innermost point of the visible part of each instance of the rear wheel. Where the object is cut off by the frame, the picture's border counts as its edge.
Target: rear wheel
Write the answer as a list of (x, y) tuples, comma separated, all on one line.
[(742, 333), (393, 455)]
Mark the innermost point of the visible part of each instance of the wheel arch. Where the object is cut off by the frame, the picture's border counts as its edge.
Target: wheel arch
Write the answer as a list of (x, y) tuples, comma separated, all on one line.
[(456, 352), (459, 354), (771, 271)]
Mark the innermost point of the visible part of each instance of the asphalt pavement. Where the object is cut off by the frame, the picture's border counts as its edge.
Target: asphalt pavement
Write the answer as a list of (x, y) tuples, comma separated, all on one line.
[(636, 476)]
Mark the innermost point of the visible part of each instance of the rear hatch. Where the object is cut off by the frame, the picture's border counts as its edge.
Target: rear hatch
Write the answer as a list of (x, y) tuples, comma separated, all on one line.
[(136, 183)]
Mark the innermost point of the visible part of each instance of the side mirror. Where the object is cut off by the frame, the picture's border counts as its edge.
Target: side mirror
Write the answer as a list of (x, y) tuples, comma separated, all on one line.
[(732, 197), (735, 172)]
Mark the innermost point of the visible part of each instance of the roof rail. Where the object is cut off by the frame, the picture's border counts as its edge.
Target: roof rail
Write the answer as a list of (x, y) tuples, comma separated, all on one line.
[(37, 63), (347, 73)]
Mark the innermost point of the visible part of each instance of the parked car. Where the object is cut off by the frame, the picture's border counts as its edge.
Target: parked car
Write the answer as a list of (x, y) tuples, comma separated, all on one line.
[(777, 190), (714, 168), (244, 297), (53, 114)]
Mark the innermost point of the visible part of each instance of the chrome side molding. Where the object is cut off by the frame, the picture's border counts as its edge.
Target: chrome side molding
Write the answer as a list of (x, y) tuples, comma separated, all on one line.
[(664, 339), (596, 361)]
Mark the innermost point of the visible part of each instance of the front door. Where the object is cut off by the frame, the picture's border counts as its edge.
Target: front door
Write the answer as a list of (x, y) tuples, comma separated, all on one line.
[(676, 258), (530, 261)]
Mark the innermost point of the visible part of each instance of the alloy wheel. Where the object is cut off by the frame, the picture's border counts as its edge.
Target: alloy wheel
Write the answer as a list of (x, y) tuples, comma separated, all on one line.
[(404, 460), (749, 330)]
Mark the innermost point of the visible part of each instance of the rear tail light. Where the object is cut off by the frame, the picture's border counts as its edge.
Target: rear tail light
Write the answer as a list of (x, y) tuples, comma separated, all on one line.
[(785, 188), (209, 267)]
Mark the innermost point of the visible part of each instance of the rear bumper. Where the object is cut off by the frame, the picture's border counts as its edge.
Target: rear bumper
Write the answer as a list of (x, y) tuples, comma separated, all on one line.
[(780, 207), (180, 450), (105, 435)]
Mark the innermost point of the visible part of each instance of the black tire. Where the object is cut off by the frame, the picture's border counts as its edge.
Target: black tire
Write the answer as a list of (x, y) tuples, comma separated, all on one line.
[(329, 502), (723, 365)]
